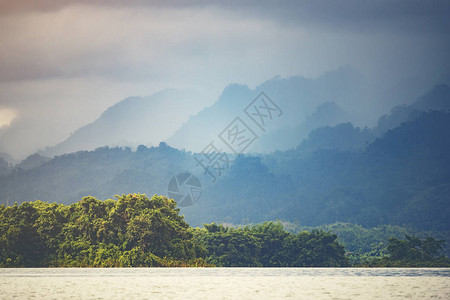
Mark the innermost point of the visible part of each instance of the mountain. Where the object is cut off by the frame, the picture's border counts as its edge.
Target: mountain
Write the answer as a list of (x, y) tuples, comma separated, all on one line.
[(338, 174), (8, 158), (133, 121), (402, 178), (304, 105), (205, 126), (378, 185), (326, 114), (5, 167), (436, 99), (103, 173), (32, 161), (329, 114), (297, 97), (343, 137)]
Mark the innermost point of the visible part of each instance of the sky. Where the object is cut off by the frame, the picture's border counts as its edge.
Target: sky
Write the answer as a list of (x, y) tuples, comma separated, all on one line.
[(62, 63)]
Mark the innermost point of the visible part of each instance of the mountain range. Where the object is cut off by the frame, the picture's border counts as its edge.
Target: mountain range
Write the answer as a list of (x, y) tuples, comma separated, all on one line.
[(180, 118), (305, 104), (134, 121), (339, 173)]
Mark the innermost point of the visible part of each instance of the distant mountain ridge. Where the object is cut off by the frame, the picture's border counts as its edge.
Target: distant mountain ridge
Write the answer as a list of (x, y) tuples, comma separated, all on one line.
[(298, 98), (134, 121), (346, 137), (325, 114), (192, 125), (436, 99), (335, 97), (400, 178)]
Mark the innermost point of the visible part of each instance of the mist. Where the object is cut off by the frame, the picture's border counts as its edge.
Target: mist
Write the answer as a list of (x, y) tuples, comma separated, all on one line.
[(62, 64)]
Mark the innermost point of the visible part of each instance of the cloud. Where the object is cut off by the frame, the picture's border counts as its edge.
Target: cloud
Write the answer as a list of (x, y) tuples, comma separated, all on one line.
[(413, 14), (63, 62), (122, 43)]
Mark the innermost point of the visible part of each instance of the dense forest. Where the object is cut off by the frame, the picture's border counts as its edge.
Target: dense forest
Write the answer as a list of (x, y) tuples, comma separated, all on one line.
[(411, 252), (366, 243), (135, 231)]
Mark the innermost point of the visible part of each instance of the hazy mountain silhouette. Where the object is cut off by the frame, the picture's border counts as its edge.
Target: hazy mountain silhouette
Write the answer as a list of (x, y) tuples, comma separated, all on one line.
[(347, 137), (436, 99), (11, 160), (5, 167), (205, 126), (174, 116), (401, 178), (134, 121), (326, 114), (297, 97), (344, 137), (339, 173), (32, 161)]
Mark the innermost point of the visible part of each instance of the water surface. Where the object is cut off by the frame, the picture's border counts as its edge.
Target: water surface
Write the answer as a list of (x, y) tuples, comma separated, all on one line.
[(225, 283)]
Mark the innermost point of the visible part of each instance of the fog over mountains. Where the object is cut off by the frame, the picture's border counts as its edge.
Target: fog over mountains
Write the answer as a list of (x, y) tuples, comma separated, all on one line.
[(315, 158), (134, 121), (402, 178), (64, 63), (338, 173), (302, 101), (330, 171), (180, 118)]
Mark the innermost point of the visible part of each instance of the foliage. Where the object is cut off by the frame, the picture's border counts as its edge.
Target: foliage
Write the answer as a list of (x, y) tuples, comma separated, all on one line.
[(135, 231), (367, 243), (130, 231), (412, 252), (269, 245)]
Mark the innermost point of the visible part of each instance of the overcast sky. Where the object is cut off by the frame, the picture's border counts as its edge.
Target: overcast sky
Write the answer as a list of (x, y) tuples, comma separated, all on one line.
[(64, 62)]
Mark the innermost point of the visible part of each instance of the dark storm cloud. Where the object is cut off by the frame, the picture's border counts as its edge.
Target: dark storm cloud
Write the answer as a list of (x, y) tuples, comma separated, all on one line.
[(404, 15), (88, 52)]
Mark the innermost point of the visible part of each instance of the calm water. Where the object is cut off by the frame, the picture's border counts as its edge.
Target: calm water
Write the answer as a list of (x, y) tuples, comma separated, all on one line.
[(224, 283)]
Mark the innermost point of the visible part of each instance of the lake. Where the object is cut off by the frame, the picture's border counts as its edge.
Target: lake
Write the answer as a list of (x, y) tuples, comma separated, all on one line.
[(225, 283)]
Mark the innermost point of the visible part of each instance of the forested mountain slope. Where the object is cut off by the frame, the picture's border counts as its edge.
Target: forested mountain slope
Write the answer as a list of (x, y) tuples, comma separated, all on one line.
[(402, 178)]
